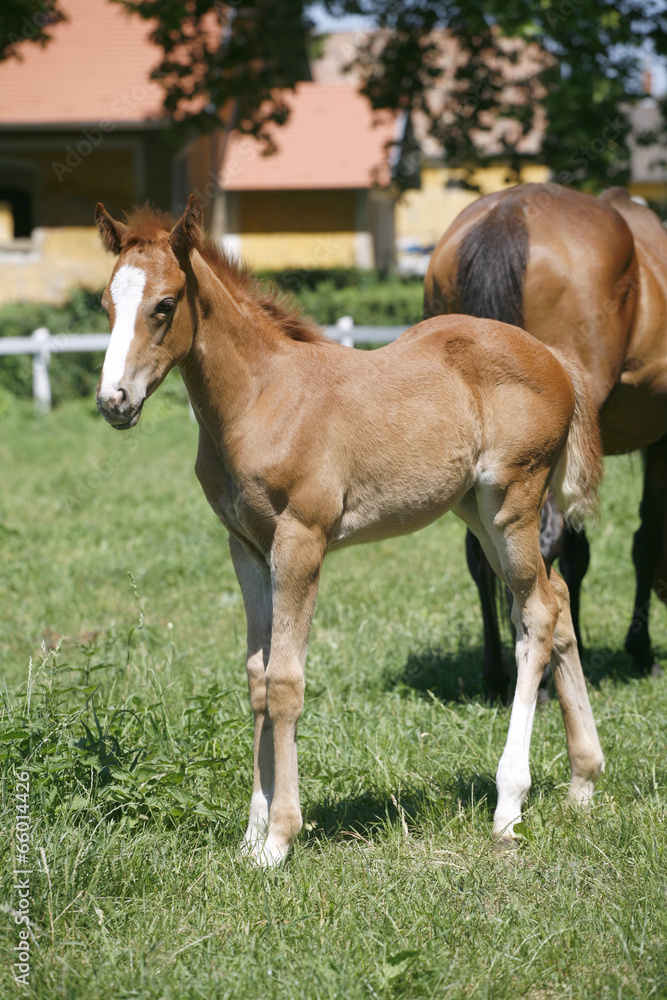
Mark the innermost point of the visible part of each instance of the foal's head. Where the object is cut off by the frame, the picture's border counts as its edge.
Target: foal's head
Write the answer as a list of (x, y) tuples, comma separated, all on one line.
[(146, 300)]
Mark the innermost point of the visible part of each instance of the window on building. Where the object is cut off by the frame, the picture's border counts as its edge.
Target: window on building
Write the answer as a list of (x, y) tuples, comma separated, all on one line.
[(15, 213)]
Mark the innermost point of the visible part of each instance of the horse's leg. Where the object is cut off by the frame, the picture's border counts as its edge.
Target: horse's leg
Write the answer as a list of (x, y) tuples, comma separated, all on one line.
[(583, 744), (534, 613), (551, 540), (552, 526), (255, 584), (495, 668), (646, 552), (574, 561), (541, 612), (507, 525), (296, 561)]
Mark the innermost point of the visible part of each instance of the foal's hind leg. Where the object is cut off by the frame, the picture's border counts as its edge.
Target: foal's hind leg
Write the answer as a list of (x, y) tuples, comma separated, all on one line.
[(507, 525), (583, 744), (534, 614)]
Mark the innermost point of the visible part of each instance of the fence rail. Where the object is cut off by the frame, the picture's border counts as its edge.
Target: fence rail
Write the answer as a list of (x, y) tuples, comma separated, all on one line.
[(42, 344)]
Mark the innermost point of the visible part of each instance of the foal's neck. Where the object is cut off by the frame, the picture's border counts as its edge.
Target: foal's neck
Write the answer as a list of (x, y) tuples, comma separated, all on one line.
[(230, 360)]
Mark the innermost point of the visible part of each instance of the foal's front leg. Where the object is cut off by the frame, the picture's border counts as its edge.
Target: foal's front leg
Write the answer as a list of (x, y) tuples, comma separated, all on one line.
[(255, 581), (296, 560)]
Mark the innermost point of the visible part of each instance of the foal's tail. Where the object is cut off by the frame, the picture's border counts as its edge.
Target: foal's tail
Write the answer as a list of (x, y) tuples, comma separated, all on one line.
[(578, 473)]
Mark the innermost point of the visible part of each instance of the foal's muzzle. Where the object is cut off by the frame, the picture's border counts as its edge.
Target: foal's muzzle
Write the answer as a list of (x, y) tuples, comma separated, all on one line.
[(118, 409)]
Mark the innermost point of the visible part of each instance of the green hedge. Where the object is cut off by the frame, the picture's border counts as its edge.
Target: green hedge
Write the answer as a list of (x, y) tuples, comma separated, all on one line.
[(370, 300), (70, 374), (324, 295), (385, 303)]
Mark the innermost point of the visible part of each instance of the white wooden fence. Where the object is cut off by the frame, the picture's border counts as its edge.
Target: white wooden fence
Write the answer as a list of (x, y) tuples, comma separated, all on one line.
[(42, 344)]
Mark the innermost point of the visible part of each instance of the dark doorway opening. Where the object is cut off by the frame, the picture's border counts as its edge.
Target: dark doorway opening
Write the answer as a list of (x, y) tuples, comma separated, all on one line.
[(21, 205)]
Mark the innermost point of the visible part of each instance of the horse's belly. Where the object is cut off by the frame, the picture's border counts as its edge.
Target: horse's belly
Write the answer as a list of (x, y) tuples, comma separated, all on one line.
[(632, 417), (375, 517)]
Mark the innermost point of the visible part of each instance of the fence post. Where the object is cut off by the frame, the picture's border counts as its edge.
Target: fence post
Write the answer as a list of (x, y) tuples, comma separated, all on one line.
[(345, 326), (41, 387)]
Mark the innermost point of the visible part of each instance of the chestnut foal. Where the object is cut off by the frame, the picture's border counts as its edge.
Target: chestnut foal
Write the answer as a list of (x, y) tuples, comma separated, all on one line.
[(306, 446)]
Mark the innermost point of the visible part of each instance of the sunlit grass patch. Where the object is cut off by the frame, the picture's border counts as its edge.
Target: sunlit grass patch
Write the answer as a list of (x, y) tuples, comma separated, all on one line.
[(134, 727)]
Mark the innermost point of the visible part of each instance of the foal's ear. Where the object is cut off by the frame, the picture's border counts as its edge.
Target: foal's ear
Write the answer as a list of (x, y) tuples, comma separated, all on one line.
[(113, 233), (187, 232)]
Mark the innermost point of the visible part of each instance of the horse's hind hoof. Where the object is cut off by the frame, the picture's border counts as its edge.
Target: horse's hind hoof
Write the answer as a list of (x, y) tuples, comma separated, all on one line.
[(506, 846), (650, 669)]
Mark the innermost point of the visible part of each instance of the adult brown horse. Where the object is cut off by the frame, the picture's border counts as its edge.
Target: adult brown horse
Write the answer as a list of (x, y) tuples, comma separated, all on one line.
[(588, 274), (306, 446)]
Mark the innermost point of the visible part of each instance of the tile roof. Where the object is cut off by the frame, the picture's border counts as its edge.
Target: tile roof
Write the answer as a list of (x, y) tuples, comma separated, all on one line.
[(95, 69), (331, 140)]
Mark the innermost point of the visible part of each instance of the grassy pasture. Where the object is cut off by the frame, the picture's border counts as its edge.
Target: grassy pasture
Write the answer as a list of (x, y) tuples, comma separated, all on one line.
[(136, 733)]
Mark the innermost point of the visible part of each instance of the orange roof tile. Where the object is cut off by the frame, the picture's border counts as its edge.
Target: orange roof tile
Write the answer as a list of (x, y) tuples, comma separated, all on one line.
[(95, 69), (331, 140)]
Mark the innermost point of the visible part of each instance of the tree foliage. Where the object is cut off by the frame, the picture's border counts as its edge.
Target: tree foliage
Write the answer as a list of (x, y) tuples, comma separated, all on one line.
[(586, 68), (568, 66), (26, 20), (237, 60)]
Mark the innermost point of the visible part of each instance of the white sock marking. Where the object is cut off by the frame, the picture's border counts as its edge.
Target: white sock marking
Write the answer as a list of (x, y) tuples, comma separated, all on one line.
[(127, 290), (513, 776)]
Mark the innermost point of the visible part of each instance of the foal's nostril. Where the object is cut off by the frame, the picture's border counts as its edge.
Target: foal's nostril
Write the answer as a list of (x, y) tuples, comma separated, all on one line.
[(120, 396)]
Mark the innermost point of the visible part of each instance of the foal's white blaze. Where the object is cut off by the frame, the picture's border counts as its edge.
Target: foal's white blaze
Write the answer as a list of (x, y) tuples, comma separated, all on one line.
[(127, 290)]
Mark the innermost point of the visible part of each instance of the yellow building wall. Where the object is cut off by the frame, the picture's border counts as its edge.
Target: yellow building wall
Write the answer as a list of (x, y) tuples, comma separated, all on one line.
[(296, 211), (274, 251), (61, 260), (303, 229), (277, 229), (423, 215), (650, 190)]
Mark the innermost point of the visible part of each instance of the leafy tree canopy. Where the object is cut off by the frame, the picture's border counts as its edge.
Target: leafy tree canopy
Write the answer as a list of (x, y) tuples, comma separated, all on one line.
[(235, 59), (26, 20), (585, 73), (571, 67)]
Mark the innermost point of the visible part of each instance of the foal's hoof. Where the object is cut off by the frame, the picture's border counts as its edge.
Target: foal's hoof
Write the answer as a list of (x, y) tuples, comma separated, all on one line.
[(268, 854), (506, 846), (580, 794)]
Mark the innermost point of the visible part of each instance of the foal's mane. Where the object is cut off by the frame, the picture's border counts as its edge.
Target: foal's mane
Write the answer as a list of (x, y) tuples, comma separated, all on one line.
[(146, 225)]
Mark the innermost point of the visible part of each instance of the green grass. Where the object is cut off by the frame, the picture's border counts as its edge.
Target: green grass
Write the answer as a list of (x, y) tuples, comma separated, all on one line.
[(136, 733)]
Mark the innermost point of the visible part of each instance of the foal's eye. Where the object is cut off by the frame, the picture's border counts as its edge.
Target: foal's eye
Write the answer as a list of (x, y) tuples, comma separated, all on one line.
[(165, 306)]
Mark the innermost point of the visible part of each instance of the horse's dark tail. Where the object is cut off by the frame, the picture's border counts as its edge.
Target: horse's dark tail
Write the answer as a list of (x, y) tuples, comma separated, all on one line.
[(492, 262)]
